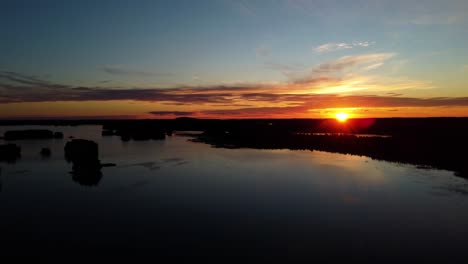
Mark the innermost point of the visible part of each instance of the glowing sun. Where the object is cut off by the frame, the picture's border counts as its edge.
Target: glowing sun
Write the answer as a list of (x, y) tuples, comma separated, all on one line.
[(341, 116)]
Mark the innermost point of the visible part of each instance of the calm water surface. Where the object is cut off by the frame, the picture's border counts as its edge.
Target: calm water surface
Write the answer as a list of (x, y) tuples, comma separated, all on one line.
[(176, 197)]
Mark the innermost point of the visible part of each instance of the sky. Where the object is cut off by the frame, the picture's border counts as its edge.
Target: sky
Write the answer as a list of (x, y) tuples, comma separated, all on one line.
[(233, 59)]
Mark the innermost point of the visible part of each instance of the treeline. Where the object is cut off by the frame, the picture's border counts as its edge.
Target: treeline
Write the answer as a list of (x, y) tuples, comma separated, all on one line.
[(382, 126), (436, 142), (436, 151)]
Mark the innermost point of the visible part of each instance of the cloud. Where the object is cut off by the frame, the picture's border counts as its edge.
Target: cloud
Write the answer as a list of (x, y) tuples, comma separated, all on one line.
[(327, 47), (312, 103), (337, 69), (374, 66), (129, 71), (15, 87), (249, 100), (27, 80), (343, 75), (172, 113), (332, 46), (348, 62), (334, 72), (16, 90)]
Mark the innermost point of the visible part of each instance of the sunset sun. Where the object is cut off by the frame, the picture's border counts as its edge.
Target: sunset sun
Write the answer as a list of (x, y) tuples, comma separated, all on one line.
[(341, 116)]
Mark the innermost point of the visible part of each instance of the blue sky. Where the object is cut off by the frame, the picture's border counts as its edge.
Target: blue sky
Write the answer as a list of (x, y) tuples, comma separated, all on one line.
[(167, 44)]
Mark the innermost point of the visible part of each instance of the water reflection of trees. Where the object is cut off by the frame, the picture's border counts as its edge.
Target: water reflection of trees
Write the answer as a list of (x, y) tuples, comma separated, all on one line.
[(435, 142), (440, 152), (10, 153), (86, 169), (87, 178)]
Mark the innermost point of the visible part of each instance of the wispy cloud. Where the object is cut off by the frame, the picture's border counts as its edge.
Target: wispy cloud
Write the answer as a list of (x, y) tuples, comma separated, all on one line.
[(343, 76), (332, 46), (15, 87), (129, 71), (313, 103), (9, 78), (339, 68), (349, 62), (327, 85), (345, 70), (171, 113)]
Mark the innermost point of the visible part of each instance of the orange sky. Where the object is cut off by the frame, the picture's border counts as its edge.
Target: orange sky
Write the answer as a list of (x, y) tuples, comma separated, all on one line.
[(317, 97), (137, 109)]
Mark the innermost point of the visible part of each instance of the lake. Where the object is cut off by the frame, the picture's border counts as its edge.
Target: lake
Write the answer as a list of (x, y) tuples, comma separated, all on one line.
[(179, 198)]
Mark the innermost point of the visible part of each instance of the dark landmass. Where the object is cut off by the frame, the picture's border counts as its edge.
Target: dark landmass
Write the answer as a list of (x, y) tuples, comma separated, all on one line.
[(380, 126), (429, 142), (136, 130), (31, 134), (84, 154), (9, 152), (439, 143), (424, 151)]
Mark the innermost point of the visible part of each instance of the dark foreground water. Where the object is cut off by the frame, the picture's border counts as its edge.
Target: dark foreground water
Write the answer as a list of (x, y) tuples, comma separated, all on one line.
[(179, 198)]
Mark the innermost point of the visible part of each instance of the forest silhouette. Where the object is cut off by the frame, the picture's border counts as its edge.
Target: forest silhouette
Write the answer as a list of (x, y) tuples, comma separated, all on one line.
[(439, 143)]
